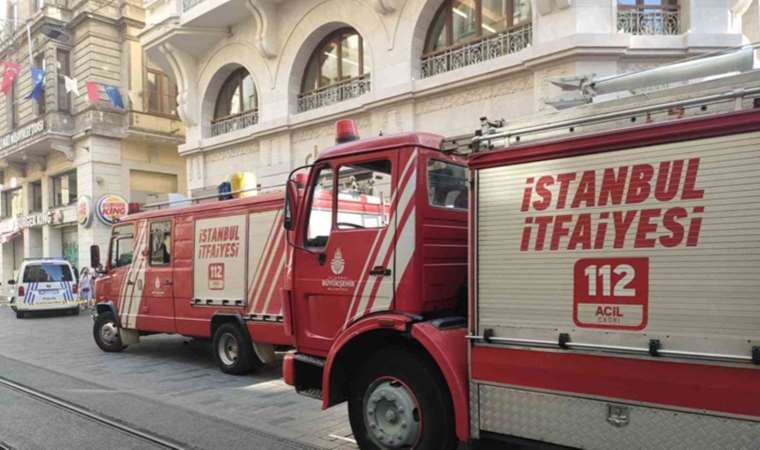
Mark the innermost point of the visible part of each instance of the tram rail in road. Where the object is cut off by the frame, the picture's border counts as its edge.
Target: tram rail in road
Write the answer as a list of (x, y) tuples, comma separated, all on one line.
[(82, 412)]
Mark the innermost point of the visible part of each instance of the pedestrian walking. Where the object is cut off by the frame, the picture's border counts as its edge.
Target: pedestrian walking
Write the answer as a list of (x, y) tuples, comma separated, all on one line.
[(85, 287)]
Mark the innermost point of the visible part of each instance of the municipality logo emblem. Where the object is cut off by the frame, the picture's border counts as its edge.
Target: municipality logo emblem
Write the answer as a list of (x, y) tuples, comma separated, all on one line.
[(338, 264)]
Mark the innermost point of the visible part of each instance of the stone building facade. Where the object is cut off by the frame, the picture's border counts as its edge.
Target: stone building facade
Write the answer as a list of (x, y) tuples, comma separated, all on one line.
[(432, 65), (56, 152)]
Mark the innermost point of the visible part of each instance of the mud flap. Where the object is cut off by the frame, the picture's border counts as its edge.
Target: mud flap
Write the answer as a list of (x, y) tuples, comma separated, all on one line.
[(265, 352), (129, 337)]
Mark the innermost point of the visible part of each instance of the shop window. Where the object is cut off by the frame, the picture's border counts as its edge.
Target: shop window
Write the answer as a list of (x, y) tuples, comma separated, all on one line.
[(447, 185), (65, 189), (160, 243), (364, 195), (12, 203), (337, 70), (39, 61), (63, 69), (161, 95), (122, 246), (35, 194), (320, 216)]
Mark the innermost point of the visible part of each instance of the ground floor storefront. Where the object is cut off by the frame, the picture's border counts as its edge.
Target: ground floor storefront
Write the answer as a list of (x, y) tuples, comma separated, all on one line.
[(58, 197)]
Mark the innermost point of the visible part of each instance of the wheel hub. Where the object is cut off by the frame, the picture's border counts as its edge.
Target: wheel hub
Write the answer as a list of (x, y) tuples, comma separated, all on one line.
[(228, 349), (391, 414), (109, 333)]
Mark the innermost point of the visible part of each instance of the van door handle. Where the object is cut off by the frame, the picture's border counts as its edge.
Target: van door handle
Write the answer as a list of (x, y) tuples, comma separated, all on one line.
[(168, 282), (380, 271)]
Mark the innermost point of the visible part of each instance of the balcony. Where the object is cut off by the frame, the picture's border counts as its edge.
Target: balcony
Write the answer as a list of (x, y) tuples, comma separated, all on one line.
[(491, 47), (649, 20), (334, 93), (233, 123)]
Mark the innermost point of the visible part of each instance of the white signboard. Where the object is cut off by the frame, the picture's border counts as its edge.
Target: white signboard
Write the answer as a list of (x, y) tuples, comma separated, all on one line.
[(21, 134), (219, 263)]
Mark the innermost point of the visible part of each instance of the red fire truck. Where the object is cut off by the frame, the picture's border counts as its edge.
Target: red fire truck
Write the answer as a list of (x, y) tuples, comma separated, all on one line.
[(612, 299), (212, 270)]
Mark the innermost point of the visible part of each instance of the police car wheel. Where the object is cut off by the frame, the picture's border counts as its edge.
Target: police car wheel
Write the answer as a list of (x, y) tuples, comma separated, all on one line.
[(105, 330), (399, 400), (233, 351)]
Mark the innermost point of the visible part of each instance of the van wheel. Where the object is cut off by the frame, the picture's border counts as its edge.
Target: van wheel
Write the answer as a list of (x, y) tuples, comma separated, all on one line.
[(20, 314), (399, 400), (233, 350), (105, 330)]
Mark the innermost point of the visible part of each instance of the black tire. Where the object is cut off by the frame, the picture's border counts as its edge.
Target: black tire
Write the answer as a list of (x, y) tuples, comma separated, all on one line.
[(75, 311), (20, 314), (233, 350), (407, 372), (105, 330)]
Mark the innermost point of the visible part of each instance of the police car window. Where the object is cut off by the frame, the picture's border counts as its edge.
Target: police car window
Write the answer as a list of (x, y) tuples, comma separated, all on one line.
[(447, 185), (364, 195), (122, 246), (47, 273), (320, 215), (160, 243)]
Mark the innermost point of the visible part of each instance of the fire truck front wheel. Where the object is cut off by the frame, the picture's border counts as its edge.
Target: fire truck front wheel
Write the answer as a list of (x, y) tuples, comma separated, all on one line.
[(106, 333), (233, 350), (399, 400)]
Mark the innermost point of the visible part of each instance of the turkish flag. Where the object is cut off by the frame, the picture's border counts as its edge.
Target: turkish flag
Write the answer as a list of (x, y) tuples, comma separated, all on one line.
[(93, 91), (10, 72)]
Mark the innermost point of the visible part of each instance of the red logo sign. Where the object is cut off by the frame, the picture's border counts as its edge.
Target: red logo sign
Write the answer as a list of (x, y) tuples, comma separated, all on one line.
[(216, 276), (611, 293)]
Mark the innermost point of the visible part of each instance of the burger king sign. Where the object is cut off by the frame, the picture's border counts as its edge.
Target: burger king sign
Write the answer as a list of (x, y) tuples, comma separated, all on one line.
[(110, 208)]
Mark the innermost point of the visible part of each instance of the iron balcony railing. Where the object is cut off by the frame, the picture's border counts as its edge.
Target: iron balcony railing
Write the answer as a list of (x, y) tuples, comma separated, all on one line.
[(236, 122), (334, 93), (490, 47), (187, 4), (649, 21)]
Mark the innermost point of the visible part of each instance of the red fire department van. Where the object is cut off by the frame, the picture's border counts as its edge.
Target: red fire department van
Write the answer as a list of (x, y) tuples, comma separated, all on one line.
[(612, 299), (212, 270)]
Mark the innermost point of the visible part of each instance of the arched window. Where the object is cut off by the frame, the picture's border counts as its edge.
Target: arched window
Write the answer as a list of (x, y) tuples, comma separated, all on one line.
[(236, 105), (648, 16), (337, 70), (471, 31)]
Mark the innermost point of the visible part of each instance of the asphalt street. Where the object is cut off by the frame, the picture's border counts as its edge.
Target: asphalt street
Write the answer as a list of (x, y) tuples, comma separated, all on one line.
[(166, 385)]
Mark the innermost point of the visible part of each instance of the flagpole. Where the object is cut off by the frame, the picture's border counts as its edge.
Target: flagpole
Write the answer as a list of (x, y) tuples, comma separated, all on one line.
[(29, 37)]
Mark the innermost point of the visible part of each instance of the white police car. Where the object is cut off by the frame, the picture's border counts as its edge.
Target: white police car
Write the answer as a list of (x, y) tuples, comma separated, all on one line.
[(44, 284)]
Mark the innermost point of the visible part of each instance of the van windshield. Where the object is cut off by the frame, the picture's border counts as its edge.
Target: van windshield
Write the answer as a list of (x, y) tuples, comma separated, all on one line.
[(47, 273)]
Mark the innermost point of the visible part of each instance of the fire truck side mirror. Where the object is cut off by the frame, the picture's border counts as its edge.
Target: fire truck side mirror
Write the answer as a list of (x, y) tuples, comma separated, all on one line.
[(291, 197), (94, 256)]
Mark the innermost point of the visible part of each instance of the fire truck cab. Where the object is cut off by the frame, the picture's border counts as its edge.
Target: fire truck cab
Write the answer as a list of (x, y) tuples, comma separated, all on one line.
[(371, 297)]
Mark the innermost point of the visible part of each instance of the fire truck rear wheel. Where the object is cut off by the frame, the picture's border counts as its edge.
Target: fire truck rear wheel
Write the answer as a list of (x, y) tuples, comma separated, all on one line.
[(105, 330), (233, 350), (399, 400)]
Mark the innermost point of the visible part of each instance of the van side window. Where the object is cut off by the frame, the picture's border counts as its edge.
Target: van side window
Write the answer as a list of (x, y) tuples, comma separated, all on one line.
[(160, 243), (364, 195), (447, 185), (320, 212), (122, 246)]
